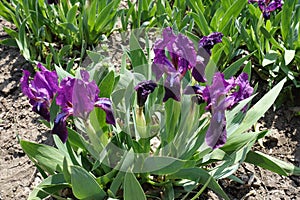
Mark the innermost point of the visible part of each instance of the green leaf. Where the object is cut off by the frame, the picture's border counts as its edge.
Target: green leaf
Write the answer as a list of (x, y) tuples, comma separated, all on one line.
[(274, 42), (9, 42), (117, 182), (22, 41), (201, 176), (65, 50), (235, 142), (137, 56), (71, 15), (94, 56), (247, 69), (257, 111), (235, 67), (12, 33), (48, 186), (272, 164), (61, 73), (164, 165), (132, 188), (47, 157), (91, 14), (107, 85), (234, 116), (84, 185), (106, 15), (289, 56), (286, 18), (201, 22), (270, 58), (233, 12)]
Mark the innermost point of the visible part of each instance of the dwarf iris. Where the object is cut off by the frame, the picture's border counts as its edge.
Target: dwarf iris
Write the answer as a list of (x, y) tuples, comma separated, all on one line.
[(40, 90)]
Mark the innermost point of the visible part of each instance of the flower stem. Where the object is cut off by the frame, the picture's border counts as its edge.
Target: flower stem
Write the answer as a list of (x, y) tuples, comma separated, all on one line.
[(202, 189), (140, 122)]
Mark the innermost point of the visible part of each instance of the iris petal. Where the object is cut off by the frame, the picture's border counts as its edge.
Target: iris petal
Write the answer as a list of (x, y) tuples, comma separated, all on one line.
[(143, 90), (172, 88), (60, 126), (216, 133), (40, 90), (42, 108), (106, 105), (84, 96)]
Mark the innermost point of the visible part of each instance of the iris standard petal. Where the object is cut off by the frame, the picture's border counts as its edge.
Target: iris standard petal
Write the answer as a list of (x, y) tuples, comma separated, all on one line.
[(65, 92), (45, 80), (243, 88), (84, 96), (40, 90), (274, 5)]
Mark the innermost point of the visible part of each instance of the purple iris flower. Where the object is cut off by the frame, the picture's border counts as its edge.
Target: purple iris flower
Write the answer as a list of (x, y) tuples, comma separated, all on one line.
[(40, 90), (52, 2), (218, 102), (78, 97), (143, 90), (182, 57), (221, 95), (208, 42), (267, 6), (243, 90), (198, 91), (205, 45)]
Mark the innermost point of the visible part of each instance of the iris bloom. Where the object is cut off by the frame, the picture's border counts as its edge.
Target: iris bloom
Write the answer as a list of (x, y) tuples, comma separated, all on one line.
[(218, 102), (205, 45), (52, 2), (40, 90), (182, 57), (208, 42), (143, 90), (196, 89), (78, 97), (221, 95), (267, 6)]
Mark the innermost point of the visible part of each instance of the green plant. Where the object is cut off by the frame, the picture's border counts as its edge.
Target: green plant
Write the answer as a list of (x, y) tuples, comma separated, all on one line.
[(275, 41), (57, 33), (161, 136)]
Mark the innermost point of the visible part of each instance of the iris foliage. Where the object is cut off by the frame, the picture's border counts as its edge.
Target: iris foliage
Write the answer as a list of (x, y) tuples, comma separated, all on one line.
[(176, 115)]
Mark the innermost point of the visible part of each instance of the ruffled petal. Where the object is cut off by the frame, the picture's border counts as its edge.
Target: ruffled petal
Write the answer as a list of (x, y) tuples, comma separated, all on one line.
[(208, 42)]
